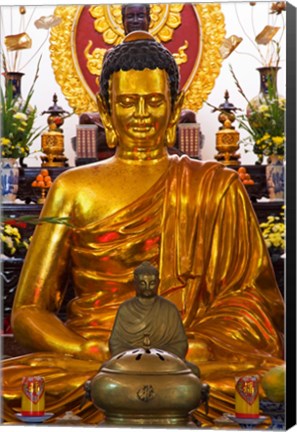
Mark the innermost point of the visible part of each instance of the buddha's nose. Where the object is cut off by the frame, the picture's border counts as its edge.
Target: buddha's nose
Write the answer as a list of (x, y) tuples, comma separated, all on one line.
[(141, 108)]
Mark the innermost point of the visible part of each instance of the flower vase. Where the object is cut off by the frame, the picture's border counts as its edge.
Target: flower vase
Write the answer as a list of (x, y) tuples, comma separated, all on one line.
[(276, 412), (15, 78), (275, 178), (267, 75), (9, 180)]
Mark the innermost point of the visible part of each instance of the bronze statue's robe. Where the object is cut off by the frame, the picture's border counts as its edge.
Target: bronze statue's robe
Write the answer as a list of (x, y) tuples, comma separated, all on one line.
[(198, 226), (159, 319)]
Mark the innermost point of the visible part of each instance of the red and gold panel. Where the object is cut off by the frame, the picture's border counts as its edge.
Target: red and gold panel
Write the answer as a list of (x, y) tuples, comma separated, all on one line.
[(193, 33)]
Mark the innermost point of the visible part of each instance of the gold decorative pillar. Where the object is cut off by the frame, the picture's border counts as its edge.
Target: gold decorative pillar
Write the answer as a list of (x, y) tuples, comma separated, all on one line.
[(227, 138), (52, 141)]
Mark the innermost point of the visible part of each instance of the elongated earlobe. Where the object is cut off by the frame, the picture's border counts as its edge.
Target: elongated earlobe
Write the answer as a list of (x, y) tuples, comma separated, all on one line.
[(171, 130), (170, 136), (103, 110), (111, 136)]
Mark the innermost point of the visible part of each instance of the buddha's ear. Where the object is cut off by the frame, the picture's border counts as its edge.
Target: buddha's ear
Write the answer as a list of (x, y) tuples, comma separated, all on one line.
[(174, 118), (111, 137), (178, 104), (103, 111)]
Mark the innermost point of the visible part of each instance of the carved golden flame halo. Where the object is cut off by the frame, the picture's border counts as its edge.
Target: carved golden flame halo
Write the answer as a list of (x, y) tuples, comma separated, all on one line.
[(197, 87)]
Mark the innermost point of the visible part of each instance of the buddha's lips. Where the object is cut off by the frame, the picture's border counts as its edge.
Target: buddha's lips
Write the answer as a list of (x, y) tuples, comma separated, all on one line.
[(141, 127), (135, 27)]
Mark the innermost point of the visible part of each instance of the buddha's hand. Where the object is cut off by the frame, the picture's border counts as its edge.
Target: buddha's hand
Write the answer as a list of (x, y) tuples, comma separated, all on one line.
[(199, 349), (93, 350)]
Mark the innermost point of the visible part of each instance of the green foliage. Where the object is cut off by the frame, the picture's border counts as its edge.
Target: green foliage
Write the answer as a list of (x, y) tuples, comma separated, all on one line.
[(264, 122), (17, 129)]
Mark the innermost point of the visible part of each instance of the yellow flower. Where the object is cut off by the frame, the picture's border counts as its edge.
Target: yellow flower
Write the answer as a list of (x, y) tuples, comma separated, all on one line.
[(282, 102), (5, 141), (20, 129), (26, 244), (265, 137), (20, 116), (263, 108), (271, 218), (278, 140), (8, 229)]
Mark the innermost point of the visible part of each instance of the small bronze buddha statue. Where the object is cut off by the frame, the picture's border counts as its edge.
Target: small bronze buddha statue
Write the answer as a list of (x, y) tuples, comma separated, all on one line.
[(148, 345)]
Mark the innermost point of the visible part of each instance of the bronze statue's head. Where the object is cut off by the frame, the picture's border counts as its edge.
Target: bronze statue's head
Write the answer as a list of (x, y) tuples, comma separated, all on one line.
[(146, 280), (136, 16), (140, 54)]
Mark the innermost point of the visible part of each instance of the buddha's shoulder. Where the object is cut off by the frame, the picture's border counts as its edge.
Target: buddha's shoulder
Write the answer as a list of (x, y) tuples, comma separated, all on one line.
[(167, 303), (81, 174), (205, 165), (208, 169)]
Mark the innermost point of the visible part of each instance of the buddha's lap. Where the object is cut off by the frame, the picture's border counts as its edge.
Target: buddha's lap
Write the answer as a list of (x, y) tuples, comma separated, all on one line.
[(65, 385), (64, 373)]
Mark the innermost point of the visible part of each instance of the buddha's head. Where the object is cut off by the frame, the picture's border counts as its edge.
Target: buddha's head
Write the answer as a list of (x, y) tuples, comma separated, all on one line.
[(146, 280), (136, 16), (139, 98)]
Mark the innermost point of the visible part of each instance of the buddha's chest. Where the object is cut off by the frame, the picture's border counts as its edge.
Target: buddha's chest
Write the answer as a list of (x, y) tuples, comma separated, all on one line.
[(110, 196)]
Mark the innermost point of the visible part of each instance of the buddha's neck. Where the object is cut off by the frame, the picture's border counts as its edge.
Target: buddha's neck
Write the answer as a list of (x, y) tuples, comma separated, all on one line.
[(146, 300), (142, 156)]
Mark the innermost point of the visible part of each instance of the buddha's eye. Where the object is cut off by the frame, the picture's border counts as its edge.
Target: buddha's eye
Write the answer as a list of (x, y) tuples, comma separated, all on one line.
[(155, 100), (126, 101)]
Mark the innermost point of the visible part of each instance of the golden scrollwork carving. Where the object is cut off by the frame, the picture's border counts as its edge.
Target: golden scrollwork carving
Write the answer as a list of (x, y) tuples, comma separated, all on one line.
[(164, 19), (213, 33), (181, 57), (63, 62), (94, 60)]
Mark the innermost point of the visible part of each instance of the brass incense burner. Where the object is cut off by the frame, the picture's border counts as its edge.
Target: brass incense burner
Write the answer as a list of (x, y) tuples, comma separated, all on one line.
[(146, 386)]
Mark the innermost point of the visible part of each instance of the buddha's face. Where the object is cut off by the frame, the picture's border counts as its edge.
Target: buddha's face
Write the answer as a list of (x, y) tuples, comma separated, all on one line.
[(135, 18), (147, 285), (140, 107)]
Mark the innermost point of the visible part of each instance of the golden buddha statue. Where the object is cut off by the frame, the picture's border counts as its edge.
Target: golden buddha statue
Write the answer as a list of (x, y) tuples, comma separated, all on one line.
[(192, 220)]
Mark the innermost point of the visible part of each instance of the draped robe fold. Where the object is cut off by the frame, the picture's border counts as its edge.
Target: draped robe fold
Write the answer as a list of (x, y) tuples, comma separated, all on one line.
[(198, 226), (159, 319)]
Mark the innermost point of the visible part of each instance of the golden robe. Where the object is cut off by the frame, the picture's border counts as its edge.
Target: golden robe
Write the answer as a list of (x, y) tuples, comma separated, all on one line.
[(198, 226)]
